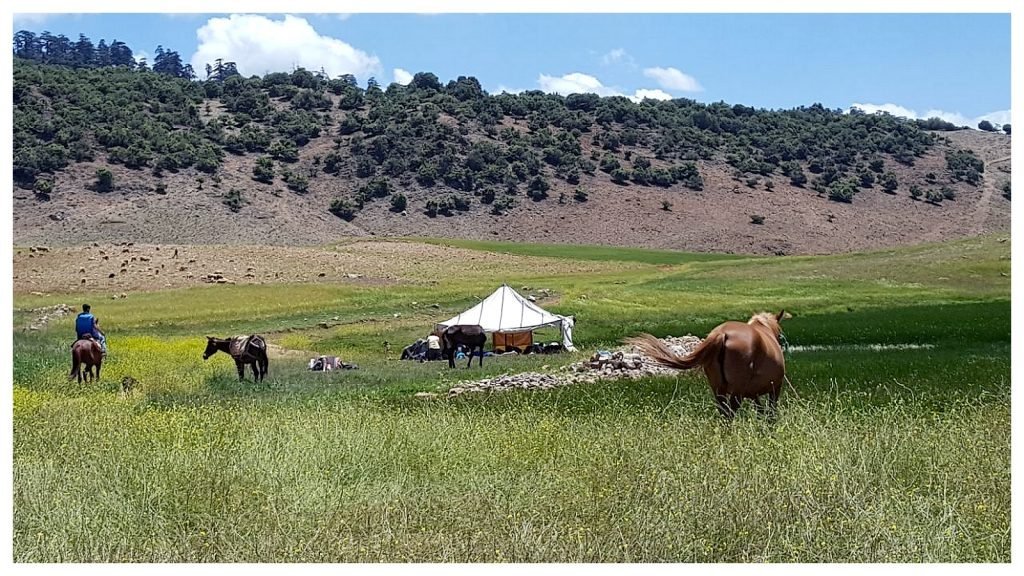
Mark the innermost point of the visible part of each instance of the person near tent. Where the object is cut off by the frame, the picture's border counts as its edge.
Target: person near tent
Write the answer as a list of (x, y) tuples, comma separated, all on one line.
[(511, 320), (433, 347)]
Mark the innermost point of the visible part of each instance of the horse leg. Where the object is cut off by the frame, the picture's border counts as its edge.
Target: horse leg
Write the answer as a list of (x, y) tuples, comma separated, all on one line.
[(759, 405), (734, 404), (98, 371), (241, 370), (722, 401), (773, 405), (471, 348), (481, 355), (257, 372)]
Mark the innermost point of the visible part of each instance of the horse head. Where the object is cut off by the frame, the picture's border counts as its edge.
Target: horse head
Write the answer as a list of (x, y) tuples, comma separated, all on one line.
[(211, 347), (773, 322)]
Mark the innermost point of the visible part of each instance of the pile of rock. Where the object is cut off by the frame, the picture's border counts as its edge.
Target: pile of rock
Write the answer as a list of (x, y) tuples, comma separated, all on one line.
[(629, 363), (47, 314), (613, 365), (523, 381)]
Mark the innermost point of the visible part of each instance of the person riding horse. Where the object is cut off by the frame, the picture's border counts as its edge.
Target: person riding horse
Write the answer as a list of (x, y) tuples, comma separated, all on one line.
[(87, 327)]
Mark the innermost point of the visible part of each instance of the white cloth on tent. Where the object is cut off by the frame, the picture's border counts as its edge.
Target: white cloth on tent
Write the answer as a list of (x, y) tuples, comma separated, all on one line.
[(507, 311)]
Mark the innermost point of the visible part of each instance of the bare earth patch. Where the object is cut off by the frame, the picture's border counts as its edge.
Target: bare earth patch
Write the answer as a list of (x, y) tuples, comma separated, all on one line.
[(122, 269)]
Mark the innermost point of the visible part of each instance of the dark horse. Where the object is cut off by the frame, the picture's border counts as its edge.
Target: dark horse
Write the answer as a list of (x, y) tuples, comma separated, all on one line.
[(251, 350), (86, 351), (741, 360), (469, 335)]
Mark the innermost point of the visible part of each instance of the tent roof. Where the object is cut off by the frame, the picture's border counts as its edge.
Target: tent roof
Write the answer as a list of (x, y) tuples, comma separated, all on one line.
[(505, 311)]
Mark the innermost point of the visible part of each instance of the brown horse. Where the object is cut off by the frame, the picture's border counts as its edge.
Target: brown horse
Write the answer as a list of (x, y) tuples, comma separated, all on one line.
[(88, 352), (251, 350), (469, 335), (740, 361)]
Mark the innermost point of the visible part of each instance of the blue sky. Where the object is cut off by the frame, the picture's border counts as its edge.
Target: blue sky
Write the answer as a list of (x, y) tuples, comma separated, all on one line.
[(952, 65)]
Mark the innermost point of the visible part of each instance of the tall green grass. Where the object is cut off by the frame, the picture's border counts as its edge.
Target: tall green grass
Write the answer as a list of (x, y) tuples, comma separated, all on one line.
[(899, 455)]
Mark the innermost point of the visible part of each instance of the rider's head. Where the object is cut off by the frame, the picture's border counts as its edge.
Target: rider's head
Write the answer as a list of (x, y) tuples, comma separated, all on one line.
[(85, 308)]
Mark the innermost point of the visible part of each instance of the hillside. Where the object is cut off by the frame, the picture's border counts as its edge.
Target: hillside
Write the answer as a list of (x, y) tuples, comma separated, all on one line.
[(299, 158)]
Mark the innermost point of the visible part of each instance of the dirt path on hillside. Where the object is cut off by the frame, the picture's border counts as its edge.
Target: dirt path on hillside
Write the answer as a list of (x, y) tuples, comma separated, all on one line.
[(983, 206)]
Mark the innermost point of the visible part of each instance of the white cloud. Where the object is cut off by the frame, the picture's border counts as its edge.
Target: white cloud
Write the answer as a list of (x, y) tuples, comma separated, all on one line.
[(652, 94), (618, 56), (257, 44), (579, 83), (31, 18), (343, 17), (997, 117), (140, 54), (673, 79), (575, 83), (402, 77), (502, 88)]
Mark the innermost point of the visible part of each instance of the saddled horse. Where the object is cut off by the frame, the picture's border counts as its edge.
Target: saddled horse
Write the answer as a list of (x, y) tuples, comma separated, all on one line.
[(740, 361), (88, 352), (469, 335), (251, 350)]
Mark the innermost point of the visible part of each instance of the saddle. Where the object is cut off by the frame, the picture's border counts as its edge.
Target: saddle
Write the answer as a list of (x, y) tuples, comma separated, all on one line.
[(240, 346), (88, 337)]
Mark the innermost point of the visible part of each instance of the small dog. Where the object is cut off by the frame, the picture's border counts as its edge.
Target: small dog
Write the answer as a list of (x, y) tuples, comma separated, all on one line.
[(127, 385)]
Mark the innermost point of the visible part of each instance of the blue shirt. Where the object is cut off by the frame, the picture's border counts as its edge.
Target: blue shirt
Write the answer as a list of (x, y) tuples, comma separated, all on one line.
[(85, 323)]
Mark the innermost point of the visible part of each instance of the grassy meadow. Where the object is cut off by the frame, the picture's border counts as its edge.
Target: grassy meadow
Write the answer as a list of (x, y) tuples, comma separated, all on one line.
[(879, 455)]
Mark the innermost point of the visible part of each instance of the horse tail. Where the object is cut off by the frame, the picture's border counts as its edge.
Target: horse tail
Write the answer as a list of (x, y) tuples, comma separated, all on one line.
[(260, 343), (75, 364), (662, 354), (721, 361)]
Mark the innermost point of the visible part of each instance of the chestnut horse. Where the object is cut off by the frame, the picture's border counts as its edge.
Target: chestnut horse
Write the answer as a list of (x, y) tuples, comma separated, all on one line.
[(251, 350), (88, 352), (740, 361)]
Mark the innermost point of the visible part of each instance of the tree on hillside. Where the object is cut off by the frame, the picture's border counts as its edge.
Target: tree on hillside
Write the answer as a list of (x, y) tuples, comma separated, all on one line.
[(27, 45), (986, 126), (85, 52), (889, 182), (121, 55), (169, 62), (221, 70), (102, 54), (426, 81), (1006, 128)]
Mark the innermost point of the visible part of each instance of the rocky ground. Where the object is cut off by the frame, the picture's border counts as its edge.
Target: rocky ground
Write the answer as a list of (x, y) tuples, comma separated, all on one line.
[(622, 363)]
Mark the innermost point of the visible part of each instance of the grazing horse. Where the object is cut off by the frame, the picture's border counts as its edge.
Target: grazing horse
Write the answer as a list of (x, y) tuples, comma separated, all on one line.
[(86, 351), (469, 335), (740, 361), (251, 350)]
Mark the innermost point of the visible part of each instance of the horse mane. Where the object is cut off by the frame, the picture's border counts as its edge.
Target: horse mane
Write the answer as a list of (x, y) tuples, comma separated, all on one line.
[(768, 320)]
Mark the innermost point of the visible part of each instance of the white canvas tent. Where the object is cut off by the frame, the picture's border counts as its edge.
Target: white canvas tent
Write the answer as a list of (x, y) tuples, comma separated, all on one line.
[(506, 311)]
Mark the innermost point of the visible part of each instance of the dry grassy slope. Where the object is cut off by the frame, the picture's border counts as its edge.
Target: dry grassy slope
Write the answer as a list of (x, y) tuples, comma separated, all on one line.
[(797, 221)]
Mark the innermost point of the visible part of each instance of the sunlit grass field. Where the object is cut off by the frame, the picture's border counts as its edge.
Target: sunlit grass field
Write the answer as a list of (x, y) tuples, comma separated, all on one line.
[(898, 455)]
